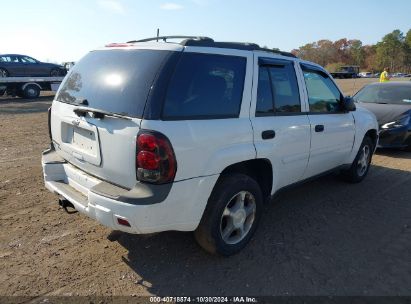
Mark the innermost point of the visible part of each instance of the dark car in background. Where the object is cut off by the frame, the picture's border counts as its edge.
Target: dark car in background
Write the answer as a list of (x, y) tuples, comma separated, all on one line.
[(391, 104), (13, 65)]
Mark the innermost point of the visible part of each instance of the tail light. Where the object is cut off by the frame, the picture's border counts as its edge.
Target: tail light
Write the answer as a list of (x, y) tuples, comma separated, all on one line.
[(112, 45), (155, 159)]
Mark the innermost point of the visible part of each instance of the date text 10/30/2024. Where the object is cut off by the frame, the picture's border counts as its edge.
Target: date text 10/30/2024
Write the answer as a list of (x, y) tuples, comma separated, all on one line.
[(203, 300)]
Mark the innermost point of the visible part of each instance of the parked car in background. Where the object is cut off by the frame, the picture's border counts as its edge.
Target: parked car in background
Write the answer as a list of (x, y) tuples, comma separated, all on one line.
[(365, 74), (14, 65), (398, 75), (391, 104), (349, 71)]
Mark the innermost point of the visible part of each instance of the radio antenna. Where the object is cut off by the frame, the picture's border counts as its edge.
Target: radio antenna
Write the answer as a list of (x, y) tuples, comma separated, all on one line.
[(355, 80), (158, 33), (353, 89)]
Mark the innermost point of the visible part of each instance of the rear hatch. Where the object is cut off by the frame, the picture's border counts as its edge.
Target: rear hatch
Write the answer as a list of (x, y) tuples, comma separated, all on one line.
[(97, 111)]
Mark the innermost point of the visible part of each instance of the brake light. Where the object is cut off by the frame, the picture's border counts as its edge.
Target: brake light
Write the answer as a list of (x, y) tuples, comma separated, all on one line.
[(118, 45), (155, 159), (148, 160)]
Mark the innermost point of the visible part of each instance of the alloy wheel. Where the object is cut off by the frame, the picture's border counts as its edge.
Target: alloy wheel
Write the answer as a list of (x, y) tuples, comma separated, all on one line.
[(363, 160), (238, 217)]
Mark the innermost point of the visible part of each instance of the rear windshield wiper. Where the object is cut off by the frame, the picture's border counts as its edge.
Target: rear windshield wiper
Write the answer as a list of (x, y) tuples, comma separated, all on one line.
[(77, 102), (96, 113)]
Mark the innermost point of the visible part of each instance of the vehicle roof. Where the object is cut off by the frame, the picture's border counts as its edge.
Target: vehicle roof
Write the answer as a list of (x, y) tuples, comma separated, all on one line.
[(14, 55), (144, 46), (194, 41)]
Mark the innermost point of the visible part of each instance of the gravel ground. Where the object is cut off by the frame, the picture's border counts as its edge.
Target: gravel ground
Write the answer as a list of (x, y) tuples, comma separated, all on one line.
[(325, 237)]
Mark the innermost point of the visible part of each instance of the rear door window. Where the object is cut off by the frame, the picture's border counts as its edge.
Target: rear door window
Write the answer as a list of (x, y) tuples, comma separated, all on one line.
[(205, 86), (26, 59), (277, 92), (113, 80)]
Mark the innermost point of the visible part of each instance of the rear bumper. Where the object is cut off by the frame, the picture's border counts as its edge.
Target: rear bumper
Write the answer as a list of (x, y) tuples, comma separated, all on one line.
[(178, 208), (395, 138)]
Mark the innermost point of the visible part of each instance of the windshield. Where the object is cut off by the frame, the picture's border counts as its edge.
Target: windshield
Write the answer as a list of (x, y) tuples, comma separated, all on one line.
[(116, 81), (393, 94)]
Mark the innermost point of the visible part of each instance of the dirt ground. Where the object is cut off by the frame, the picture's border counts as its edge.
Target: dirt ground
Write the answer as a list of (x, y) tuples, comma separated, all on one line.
[(325, 237)]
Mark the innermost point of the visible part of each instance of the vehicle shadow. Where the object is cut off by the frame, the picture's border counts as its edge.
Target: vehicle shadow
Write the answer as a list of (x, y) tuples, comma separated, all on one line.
[(325, 237), (397, 153)]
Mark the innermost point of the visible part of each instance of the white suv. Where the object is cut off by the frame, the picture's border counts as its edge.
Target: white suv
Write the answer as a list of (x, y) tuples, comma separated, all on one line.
[(150, 136)]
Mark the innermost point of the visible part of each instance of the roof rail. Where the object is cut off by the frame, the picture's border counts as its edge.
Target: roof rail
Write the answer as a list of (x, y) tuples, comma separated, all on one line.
[(164, 38), (233, 45), (209, 42), (287, 54)]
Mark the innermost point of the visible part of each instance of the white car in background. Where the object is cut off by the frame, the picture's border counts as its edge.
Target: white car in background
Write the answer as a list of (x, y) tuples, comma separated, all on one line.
[(365, 74)]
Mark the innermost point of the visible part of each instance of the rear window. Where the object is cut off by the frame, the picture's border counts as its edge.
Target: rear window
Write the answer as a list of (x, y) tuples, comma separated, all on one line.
[(205, 86), (113, 80)]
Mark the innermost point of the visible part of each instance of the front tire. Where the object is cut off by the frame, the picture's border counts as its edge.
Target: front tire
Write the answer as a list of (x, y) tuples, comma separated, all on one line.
[(231, 216), (55, 73), (361, 164)]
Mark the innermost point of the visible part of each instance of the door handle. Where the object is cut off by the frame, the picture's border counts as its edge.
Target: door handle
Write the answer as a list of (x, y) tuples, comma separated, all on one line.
[(319, 128), (268, 134)]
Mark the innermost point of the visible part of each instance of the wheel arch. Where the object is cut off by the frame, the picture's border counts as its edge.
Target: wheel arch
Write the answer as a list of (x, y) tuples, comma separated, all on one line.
[(365, 125), (259, 169), (53, 68), (373, 134), (30, 83)]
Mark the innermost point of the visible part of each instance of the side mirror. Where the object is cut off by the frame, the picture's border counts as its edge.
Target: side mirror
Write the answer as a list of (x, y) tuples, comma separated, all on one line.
[(348, 104)]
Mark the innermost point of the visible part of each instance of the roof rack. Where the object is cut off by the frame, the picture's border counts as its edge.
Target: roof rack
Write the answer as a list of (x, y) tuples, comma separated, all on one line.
[(287, 54), (209, 42), (233, 45), (164, 38)]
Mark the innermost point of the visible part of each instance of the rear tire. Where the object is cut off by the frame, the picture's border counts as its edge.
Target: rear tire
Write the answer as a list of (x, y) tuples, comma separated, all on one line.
[(231, 216), (31, 91), (3, 73), (361, 164)]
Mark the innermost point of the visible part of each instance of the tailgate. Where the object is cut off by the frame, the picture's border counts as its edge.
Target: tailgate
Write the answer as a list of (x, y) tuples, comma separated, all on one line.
[(117, 82), (104, 148)]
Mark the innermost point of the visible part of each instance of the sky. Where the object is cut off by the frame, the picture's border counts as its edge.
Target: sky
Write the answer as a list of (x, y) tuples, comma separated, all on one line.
[(65, 30)]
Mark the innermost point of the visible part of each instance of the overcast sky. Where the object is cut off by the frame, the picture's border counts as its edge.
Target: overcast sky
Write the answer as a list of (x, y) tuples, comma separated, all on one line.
[(65, 30)]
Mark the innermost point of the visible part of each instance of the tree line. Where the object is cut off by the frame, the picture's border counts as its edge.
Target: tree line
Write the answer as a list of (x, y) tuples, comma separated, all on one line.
[(393, 51)]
